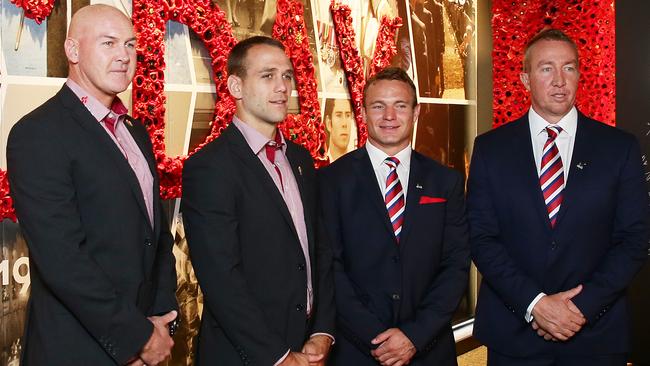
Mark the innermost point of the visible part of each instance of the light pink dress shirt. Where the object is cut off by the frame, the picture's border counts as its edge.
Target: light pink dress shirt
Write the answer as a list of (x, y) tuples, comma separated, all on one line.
[(124, 142)]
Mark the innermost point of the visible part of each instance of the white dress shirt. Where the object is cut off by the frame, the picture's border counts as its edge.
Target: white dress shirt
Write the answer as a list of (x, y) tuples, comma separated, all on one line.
[(564, 142), (381, 169)]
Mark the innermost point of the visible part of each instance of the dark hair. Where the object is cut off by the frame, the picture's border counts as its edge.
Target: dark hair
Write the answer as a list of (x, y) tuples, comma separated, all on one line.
[(331, 102), (548, 34), (237, 57), (391, 73)]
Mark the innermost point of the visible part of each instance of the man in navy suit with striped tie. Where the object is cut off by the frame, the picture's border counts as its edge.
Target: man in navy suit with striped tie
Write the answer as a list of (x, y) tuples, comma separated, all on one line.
[(558, 216), (397, 224)]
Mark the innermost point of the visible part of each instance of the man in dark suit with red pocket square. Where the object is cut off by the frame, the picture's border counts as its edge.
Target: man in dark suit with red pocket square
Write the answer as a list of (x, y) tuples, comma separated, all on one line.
[(396, 220)]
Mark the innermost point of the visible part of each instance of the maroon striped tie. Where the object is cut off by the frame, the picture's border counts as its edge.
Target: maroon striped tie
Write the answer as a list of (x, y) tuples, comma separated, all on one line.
[(551, 177)]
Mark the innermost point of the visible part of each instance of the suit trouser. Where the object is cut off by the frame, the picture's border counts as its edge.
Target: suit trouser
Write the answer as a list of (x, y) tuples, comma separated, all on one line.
[(499, 359)]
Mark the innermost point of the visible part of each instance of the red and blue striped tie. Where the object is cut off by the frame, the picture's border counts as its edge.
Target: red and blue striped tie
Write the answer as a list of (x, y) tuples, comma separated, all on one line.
[(551, 177), (394, 197)]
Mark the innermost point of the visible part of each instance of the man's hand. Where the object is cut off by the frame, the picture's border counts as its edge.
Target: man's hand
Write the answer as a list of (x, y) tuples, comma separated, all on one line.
[(160, 344), (302, 359), (318, 345), (395, 349), (558, 316), (542, 333)]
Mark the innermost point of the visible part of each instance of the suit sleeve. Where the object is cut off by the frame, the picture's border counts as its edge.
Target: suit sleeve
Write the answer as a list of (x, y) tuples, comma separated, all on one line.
[(629, 247), (43, 190), (209, 206), (354, 319), (435, 310), (498, 269), (165, 300)]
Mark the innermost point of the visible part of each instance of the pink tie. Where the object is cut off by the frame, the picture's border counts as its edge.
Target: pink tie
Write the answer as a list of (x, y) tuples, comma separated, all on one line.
[(394, 197), (551, 178)]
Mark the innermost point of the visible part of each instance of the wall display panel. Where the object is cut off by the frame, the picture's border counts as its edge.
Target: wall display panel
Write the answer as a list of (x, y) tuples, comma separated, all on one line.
[(24, 43), (443, 38), (14, 292), (201, 118), (177, 115), (176, 55), (190, 92)]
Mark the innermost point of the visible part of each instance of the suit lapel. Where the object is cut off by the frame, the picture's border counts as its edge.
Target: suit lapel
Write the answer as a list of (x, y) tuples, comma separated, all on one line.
[(523, 150), (88, 122), (413, 194), (368, 182), (140, 140), (296, 167), (244, 152)]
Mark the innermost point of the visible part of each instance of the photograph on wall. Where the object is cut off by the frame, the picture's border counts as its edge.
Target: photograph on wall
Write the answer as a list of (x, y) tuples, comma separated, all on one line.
[(14, 292), (340, 127), (177, 67), (331, 67), (441, 133), (24, 43), (201, 118), (404, 56), (443, 33), (202, 61)]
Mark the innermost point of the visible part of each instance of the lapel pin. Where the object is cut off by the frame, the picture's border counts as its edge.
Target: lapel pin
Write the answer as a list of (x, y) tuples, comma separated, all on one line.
[(128, 122), (299, 170), (418, 186), (581, 165)]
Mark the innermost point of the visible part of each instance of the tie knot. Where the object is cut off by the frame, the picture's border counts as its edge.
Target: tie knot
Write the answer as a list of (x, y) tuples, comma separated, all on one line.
[(392, 162), (274, 145), (553, 131)]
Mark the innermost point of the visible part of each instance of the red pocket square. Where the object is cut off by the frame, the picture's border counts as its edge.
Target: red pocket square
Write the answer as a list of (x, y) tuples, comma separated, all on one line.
[(426, 199)]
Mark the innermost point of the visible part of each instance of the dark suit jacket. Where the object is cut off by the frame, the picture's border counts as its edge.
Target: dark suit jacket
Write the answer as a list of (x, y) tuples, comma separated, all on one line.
[(415, 285), (247, 255), (600, 239), (98, 268)]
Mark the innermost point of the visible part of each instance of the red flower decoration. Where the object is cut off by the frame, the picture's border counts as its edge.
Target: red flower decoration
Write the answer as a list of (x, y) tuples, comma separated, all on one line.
[(589, 24), (306, 128), (35, 9), (6, 204)]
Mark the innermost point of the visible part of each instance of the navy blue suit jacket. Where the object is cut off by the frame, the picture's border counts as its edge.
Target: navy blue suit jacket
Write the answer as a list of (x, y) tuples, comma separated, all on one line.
[(415, 285), (600, 239)]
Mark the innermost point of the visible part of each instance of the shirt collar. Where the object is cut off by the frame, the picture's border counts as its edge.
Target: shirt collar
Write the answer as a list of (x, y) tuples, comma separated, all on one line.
[(377, 156), (568, 123), (97, 109), (255, 140)]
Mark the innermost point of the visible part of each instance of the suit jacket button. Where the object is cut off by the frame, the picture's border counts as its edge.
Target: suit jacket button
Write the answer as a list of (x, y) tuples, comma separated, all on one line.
[(299, 307), (147, 242), (553, 245), (395, 297), (301, 267), (396, 258)]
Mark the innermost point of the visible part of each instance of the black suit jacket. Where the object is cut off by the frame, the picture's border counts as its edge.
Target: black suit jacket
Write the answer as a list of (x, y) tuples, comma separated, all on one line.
[(98, 268), (600, 239), (415, 285), (247, 255)]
